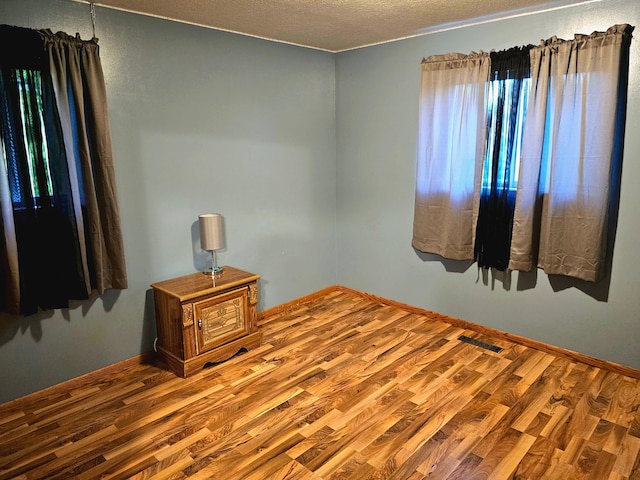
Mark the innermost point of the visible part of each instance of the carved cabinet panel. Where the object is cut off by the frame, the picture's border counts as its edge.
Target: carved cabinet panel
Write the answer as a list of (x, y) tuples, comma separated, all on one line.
[(221, 319)]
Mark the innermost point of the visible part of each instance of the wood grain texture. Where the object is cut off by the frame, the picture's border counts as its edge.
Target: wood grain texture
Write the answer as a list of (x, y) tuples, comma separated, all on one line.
[(343, 386)]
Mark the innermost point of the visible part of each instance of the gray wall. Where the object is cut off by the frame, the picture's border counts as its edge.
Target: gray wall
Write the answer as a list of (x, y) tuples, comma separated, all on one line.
[(310, 157), (377, 112), (202, 121)]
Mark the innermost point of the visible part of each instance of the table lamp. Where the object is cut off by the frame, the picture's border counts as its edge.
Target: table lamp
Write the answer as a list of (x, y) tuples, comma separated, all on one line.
[(212, 239)]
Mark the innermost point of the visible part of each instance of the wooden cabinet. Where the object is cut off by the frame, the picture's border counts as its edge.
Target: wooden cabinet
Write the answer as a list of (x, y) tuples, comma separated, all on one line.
[(200, 319)]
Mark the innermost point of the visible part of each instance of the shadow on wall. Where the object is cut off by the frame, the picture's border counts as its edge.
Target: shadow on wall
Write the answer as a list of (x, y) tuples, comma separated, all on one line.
[(10, 325), (149, 333), (526, 280), (455, 266)]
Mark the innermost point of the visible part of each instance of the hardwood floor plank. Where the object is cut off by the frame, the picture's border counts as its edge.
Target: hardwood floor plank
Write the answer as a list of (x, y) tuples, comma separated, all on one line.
[(508, 460), (343, 386), (628, 459), (539, 458)]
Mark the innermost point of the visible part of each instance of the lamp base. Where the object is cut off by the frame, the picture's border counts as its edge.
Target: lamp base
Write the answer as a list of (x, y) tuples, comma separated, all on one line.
[(214, 268), (210, 271)]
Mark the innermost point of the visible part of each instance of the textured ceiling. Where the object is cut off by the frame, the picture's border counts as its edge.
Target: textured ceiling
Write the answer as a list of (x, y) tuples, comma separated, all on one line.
[(333, 25)]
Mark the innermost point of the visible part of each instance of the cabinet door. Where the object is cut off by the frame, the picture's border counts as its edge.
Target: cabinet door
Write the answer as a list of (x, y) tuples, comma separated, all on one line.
[(221, 319)]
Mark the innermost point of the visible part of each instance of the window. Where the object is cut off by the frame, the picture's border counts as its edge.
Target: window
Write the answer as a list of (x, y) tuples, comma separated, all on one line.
[(59, 212), (500, 100), (33, 137), (34, 122), (507, 97), (540, 129)]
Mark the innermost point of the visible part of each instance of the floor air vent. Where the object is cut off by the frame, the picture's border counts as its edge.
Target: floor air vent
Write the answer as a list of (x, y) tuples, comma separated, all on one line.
[(478, 343)]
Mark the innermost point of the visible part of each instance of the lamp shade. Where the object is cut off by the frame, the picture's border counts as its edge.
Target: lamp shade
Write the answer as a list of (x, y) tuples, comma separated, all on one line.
[(211, 235)]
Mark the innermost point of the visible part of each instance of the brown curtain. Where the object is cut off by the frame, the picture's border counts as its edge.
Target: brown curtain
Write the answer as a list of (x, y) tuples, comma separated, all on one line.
[(570, 152), (79, 85), (452, 126)]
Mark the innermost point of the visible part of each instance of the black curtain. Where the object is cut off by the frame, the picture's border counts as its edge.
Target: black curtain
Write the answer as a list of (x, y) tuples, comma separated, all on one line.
[(43, 215), (509, 70)]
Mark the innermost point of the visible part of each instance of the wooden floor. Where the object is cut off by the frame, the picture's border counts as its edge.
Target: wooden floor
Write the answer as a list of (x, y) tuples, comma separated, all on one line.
[(341, 388)]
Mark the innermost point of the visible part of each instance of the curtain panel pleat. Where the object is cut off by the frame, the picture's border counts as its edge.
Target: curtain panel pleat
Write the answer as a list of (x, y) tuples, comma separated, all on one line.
[(569, 154), (76, 69), (452, 127)]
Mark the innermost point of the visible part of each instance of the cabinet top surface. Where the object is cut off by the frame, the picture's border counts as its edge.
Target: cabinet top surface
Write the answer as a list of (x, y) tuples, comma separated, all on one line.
[(197, 284)]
